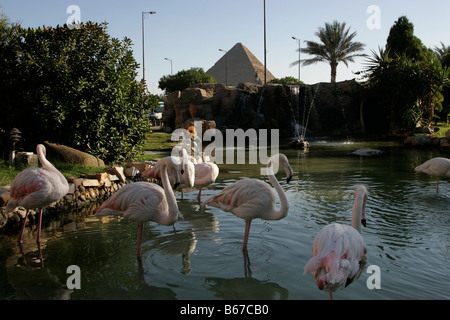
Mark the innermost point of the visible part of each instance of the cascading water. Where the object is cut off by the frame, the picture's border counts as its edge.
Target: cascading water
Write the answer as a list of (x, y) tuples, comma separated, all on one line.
[(301, 129)]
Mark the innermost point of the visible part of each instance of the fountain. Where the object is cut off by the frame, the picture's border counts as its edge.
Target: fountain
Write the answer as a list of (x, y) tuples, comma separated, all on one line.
[(301, 129)]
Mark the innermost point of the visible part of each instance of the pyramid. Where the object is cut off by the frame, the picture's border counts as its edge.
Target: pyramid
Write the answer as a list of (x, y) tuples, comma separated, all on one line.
[(239, 65)]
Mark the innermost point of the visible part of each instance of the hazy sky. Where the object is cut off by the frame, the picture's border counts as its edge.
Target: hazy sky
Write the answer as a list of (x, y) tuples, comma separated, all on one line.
[(191, 32)]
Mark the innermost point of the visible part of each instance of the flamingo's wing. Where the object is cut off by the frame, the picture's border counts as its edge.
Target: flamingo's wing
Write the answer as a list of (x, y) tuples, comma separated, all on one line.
[(139, 201), (205, 174), (34, 188), (339, 257), (436, 167), (246, 198)]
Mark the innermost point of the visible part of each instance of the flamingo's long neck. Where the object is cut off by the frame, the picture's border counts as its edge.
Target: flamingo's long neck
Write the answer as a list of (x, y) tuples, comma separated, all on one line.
[(278, 214), (170, 197), (47, 165), (358, 210)]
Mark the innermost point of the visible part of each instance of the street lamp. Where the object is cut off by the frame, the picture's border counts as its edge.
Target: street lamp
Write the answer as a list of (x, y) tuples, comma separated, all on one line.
[(143, 46), (226, 66), (298, 56), (265, 51), (171, 72)]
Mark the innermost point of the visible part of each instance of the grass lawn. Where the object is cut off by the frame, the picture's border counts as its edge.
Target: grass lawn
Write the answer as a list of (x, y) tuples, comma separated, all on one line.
[(443, 128), (158, 142)]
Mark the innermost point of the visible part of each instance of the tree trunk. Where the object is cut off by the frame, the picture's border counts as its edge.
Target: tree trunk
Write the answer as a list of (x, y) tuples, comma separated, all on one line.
[(333, 66)]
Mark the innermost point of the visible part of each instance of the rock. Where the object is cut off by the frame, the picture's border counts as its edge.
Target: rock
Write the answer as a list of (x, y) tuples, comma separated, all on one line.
[(141, 166), (131, 171), (420, 140), (67, 154), (426, 130), (90, 183), (447, 135), (4, 194), (26, 159), (118, 171), (367, 152)]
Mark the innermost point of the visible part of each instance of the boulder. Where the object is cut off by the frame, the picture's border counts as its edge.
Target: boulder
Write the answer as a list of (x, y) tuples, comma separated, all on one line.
[(447, 135), (70, 155)]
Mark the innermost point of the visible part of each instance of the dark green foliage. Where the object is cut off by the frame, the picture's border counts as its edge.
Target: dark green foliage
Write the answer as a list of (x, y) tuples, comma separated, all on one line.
[(285, 80), (407, 78), (402, 41), (336, 45), (184, 79), (76, 87)]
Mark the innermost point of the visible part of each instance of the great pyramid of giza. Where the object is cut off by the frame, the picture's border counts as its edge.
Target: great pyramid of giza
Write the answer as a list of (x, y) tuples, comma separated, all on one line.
[(239, 65)]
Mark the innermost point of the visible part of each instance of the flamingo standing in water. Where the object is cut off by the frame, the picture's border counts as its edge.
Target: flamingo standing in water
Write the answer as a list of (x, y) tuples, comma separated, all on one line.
[(144, 201), (36, 188), (438, 167), (205, 174), (339, 252), (251, 198)]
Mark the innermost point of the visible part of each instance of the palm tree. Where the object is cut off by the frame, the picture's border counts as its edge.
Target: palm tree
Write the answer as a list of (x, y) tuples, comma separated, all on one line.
[(336, 46)]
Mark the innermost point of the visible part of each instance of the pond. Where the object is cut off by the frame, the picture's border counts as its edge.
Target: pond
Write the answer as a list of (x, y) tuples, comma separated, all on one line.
[(407, 237)]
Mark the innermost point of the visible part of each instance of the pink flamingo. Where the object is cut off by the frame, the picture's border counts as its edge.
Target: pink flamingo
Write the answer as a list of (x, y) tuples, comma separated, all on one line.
[(438, 167), (180, 170), (251, 198), (339, 252), (205, 174), (36, 188), (144, 201)]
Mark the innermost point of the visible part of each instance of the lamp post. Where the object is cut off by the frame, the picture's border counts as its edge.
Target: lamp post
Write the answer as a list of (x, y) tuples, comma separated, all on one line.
[(14, 137), (171, 71), (143, 41), (265, 67), (298, 40), (226, 66)]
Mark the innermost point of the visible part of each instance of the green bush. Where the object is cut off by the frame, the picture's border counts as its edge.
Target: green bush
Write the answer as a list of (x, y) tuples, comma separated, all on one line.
[(184, 79), (76, 87)]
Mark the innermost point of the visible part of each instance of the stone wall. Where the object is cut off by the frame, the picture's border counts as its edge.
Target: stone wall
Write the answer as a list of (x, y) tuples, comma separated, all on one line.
[(326, 108), (83, 191)]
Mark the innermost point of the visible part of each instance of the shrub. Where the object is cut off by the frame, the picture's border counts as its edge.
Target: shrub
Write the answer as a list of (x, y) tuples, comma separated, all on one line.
[(76, 87)]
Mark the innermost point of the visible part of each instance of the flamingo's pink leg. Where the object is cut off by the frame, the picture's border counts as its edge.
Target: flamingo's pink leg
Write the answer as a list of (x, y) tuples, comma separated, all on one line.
[(23, 228), (247, 231), (38, 239)]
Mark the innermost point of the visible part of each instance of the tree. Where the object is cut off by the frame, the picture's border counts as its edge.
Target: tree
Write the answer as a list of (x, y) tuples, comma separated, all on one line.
[(336, 46), (285, 80), (184, 79), (443, 54), (76, 87), (408, 88), (407, 78), (402, 41)]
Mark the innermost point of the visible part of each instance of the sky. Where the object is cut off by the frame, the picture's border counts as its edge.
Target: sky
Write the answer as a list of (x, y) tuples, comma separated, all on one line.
[(191, 32)]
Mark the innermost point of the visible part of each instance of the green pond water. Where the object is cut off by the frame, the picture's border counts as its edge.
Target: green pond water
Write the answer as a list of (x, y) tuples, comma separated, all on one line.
[(407, 238)]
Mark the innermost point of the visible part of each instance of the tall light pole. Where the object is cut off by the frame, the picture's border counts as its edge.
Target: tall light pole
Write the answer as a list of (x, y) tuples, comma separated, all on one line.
[(143, 40), (171, 71), (265, 68), (298, 56), (226, 66)]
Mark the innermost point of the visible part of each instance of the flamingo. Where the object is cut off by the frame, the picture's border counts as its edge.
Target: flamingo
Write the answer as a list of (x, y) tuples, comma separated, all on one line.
[(143, 201), (36, 188), (339, 252), (181, 171), (251, 198), (438, 167), (205, 174)]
